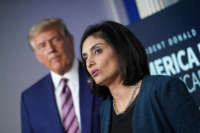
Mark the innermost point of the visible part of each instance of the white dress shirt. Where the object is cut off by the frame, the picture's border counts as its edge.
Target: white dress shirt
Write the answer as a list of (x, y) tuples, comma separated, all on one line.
[(73, 82)]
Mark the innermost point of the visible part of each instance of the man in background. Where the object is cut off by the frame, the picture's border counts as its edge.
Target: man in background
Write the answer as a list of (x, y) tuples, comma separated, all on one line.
[(61, 101)]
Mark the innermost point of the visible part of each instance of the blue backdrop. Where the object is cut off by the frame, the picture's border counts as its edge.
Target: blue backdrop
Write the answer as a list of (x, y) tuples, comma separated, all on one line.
[(132, 11), (172, 42)]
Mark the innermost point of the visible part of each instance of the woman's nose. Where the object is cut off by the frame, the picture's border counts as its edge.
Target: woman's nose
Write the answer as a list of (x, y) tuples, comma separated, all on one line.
[(90, 62)]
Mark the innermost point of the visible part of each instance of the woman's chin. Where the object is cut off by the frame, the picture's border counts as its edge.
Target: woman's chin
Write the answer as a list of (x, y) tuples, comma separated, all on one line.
[(101, 83)]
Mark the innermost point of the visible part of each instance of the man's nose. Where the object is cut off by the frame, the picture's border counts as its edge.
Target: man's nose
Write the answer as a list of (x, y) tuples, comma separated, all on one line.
[(49, 47)]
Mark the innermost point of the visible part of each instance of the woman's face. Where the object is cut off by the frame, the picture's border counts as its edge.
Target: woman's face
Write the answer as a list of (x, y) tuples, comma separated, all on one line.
[(101, 61)]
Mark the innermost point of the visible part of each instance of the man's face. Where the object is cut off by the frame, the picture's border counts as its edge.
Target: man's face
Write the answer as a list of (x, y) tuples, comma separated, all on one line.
[(54, 50)]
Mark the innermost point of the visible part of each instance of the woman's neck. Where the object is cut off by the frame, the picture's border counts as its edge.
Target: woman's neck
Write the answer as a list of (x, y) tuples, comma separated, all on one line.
[(119, 91), (123, 95)]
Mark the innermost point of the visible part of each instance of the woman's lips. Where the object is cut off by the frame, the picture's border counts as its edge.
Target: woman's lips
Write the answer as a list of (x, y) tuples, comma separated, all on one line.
[(94, 73)]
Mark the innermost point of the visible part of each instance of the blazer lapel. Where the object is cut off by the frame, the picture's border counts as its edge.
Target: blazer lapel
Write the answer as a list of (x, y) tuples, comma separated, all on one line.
[(49, 106), (86, 102), (105, 115)]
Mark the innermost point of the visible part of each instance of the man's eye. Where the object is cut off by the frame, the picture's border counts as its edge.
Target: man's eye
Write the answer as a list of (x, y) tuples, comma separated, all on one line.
[(55, 40), (40, 46), (98, 51)]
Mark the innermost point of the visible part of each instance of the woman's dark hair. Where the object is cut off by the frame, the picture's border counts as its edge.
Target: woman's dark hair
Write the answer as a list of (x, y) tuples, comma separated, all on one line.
[(130, 53)]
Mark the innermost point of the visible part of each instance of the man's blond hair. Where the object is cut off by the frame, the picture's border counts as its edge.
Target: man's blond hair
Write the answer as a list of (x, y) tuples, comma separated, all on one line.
[(44, 24)]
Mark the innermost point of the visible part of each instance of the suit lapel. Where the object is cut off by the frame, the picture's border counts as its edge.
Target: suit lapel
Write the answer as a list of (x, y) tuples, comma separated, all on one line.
[(49, 106), (105, 115), (86, 102)]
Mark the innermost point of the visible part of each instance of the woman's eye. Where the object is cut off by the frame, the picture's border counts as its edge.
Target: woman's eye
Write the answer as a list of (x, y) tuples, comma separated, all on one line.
[(98, 51), (84, 57)]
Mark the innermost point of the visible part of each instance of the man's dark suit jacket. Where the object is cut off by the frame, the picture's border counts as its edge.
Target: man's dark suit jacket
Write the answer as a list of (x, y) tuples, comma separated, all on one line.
[(162, 106), (39, 113)]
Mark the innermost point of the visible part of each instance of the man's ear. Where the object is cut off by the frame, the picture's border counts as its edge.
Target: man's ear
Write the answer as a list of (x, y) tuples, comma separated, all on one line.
[(37, 56), (71, 41)]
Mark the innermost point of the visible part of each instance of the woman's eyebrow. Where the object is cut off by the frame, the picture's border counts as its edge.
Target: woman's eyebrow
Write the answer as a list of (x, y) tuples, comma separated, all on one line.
[(94, 46)]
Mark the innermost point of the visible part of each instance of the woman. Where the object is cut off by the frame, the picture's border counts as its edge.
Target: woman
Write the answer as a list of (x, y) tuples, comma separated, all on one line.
[(134, 101)]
